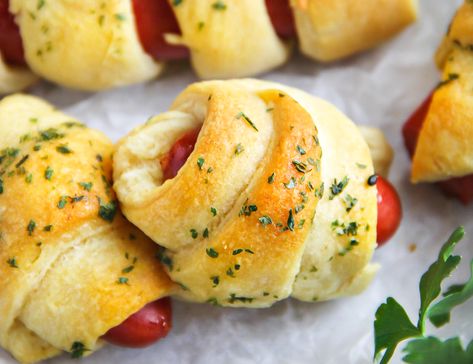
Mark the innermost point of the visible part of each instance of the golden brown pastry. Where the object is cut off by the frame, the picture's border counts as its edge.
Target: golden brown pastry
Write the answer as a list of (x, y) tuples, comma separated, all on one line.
[(444, 147), (330, 30), (94, 45), (274, 200), (438, 135), (65, 250)]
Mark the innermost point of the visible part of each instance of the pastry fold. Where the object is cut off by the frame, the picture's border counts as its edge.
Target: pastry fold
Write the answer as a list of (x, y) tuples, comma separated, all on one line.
[(87, 44), (264, 208), (235, 39), (330, 30), (63, 244), (444, 149)]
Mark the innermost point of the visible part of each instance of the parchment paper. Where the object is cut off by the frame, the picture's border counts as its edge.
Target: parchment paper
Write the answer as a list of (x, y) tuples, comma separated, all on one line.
[(379, 88)]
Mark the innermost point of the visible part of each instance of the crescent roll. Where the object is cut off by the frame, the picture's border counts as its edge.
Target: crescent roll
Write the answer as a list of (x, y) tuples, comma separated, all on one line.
[(92, 45), (444, 149), (63, 244), (263, 208), (87, 44)]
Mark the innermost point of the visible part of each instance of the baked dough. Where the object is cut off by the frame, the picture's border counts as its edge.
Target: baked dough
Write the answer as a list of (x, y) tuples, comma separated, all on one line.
[(330, 30), (236, 39), (87, 44), (13, 78), (239, 227), (444, 149), (62, 249)]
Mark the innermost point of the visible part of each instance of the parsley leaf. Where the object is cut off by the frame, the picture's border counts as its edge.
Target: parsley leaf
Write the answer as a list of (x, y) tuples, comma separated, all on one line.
[(437, 272), (439, 313), (430, 350), (391, 326)]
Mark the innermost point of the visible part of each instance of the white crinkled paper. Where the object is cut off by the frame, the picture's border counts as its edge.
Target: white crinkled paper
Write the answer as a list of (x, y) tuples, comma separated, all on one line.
[(379, 88)]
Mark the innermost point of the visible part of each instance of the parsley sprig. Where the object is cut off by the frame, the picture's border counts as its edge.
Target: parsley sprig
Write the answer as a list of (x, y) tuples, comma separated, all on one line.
[(392, 324)]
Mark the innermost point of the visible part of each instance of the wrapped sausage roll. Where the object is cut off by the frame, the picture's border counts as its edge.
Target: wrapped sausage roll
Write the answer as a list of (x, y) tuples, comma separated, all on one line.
[(438, 136), (276, 199), (72, 267)]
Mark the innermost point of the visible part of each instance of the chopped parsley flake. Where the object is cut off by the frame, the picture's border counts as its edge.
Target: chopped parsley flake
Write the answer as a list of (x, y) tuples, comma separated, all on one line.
[(22, 160), (194, 233), (49, 134), (62, 202), (241, 114), (78, 349), (290, 221), (205, 234), (265, 220), (48, 173), (31, 227), (212, 253), (128, 269), (64, 149), (107, 211), (215, 280), (1, 186), (165, 260), (247, 210), (86, 185), (200, 162), (301, 166), (271, 178), (300, 150), (48, 228), (338, 187), (213, 211), (176, 2), (234, 298), (219, 5), (122, 280), (230, 272), (239, 149), (12, 262)]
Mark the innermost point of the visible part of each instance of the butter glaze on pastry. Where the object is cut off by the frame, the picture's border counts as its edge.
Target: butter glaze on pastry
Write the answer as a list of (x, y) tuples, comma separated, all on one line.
[(63, 249), (444, 149), (94, 45), (259, 210)]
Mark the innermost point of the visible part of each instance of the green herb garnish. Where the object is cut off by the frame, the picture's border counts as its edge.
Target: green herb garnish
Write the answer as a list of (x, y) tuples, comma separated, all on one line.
[(392, 324), (211, 252), (241, 114)]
